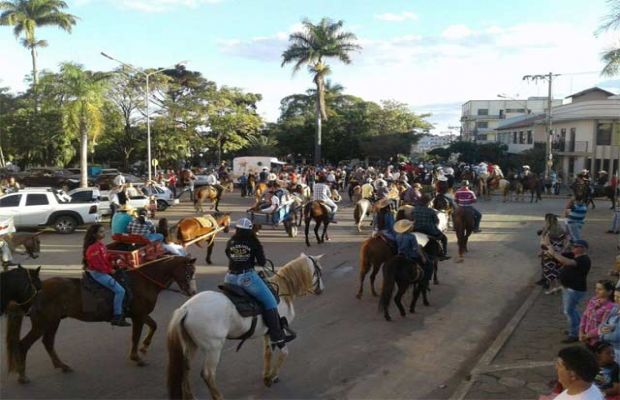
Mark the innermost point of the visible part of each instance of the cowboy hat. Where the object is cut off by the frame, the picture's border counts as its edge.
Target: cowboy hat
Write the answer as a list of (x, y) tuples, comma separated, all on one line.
[(526, 167), (403, 226), (382, 203), (417, 185), (125, 207), (465, 183), (602, 171), (442, 178)]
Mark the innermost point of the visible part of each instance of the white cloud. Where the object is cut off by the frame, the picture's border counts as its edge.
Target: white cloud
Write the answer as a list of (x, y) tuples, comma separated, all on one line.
[(403, 16), (152, 6), (456, 32)]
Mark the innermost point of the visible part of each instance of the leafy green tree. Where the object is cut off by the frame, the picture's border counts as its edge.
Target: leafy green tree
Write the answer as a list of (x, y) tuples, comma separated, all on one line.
[(311, 47), (83, 110), (27, 15), (611, 57)]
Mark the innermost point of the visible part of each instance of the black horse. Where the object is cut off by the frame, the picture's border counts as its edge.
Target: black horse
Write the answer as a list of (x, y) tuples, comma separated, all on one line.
[(403, 272), (19, 285)]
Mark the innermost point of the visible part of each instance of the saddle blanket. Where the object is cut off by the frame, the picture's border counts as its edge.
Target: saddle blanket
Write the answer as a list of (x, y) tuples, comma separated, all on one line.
[(208, 221), (97, 300)]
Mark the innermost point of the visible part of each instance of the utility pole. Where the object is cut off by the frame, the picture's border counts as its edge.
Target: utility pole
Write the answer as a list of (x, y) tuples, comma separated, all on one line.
[(549, 78)]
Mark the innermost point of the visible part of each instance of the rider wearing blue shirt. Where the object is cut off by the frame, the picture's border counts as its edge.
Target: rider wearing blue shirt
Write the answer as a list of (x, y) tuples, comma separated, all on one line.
[(120, 220), (244, 251)]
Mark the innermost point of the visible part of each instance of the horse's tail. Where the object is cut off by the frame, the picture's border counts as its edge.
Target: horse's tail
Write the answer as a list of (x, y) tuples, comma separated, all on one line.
[(357, 213), (389, 279), (180, 349), (15, 316)]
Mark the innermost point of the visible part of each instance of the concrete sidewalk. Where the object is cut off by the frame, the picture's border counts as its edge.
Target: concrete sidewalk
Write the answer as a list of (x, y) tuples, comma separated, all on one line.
[(520, 363)]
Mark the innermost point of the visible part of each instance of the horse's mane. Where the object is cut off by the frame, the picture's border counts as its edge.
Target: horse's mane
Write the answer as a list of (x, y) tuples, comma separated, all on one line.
[(295, 275)]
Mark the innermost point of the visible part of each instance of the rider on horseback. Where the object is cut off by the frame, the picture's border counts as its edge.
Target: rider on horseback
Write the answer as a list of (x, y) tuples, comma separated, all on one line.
[(464, 197), (244, 252), (321, 192), (426, 221), (407, 244), (368, 190)]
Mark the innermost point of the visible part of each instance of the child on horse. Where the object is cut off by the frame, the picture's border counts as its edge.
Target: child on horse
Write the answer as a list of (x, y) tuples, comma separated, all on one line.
[(244, 252)]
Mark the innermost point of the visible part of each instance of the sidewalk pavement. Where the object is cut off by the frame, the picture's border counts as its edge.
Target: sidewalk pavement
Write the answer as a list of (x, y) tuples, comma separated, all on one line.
[(520, 363)]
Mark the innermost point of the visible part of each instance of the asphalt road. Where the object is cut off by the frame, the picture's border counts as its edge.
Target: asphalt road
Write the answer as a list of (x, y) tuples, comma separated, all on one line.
[(344, 349)]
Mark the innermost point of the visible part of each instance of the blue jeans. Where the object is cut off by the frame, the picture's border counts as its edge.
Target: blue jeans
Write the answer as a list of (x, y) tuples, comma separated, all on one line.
[(615, 225), (254, 286), (155, 237), (570, 301), (574, 229), (107, 281)]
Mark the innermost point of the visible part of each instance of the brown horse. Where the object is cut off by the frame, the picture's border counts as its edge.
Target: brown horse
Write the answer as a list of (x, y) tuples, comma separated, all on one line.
[(29, 241), (260, 190), (190, 228), (403, 272), (207, 193), (535, 186), (62, 297), (18, 287), (463, 221), (319, 212)]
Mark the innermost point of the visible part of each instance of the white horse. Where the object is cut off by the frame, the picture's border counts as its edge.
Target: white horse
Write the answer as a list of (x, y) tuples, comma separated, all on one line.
[(206, 320), (362, 209)]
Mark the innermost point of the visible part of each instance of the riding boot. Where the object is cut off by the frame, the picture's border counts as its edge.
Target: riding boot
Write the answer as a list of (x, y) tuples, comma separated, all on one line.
[(276, 333), (119, 320), (332, 218)]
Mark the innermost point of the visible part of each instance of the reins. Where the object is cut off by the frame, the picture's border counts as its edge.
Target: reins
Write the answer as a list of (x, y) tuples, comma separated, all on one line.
[(162, 286), (32, 286)]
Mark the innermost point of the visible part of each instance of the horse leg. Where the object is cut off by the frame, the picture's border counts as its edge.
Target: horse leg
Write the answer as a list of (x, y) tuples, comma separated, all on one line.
[(373, 275), (324, 236), (402, 288), (416, 295), (152, 325), (210, 247), (217, 203), (267, 358), (435, 268), (307, 231), (363, 272), (316, 232), (24, 345), (136, 326), (272, 376), (212, 358), (48, 342), (424, 287)]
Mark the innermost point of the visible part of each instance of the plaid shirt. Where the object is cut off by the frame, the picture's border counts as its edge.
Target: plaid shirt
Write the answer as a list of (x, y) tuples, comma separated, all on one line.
[(425, 218), (321, 192), (136, 228)]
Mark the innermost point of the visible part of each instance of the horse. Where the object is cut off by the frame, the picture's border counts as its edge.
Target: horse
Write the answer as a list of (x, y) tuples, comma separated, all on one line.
[(353, 184), (582, 190), (375, 251), (209, 193), (441, 203), (227, 183), (362, 208), (251, 184), (302, 190), (514, 186), (356, 194), (190, 228), (463, 220), (320, 213), (20, 286), (29, 241), (206, 320), (535, 186), (260, 190), (481, 186), (62, 297), (404, 273)]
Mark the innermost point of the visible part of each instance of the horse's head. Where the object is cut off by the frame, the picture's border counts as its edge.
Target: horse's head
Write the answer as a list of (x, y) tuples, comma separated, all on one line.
[(33, 245), (24, 283), (223, 220), (317, 273), (183, 274)]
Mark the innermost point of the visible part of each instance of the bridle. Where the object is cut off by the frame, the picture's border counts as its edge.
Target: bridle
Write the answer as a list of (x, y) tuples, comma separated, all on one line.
[(32, 287), (166, 286), (318, 274)]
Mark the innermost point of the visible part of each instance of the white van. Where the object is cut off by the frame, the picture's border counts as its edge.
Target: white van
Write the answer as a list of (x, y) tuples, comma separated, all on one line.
[(255, 164)]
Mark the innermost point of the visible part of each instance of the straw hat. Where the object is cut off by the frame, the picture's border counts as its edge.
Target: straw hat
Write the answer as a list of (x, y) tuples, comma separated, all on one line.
[(125, 207), (385, 202), (403, 226), (417, 185)]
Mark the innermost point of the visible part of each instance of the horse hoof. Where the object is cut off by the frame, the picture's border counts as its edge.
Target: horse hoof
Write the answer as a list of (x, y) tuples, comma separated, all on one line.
[(142, 363), (143, 350), (358, 296), (412, 310), (23, 380), (388, 318), (209, 262), (375, 294), (267, 381)]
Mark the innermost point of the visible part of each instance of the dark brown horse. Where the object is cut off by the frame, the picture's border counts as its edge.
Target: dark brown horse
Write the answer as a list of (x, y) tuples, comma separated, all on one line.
[(62, 297), (463, 221), (535, 186), (319, 212), (191, 228), (18, 287), (209, 193), (404, 273)]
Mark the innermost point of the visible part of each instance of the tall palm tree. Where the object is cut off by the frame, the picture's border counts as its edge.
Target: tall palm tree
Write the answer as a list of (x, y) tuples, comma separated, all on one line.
[(83, 109), (311, 47), (611, 57), (27, 15)]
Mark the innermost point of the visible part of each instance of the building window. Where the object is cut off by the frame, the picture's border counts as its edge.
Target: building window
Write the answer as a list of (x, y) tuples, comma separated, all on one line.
[(483, 111), (515, 111), (530, 139), (521, 137), (603, 134), (563, 133), (482, 124), (482, 137), (514, 137)]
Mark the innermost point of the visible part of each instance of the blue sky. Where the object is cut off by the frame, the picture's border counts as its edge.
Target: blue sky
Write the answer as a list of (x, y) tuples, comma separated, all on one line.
[(433, 55)]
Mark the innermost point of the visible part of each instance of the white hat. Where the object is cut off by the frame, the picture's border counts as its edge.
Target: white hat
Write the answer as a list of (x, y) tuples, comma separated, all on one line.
[(403, 225), (244, 223), (442, 178), (602, 171), (381, 176), (526, 167), (448, 171)]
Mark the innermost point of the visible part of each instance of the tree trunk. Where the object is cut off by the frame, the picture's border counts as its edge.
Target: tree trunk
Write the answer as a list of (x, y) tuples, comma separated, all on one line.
[(318, 141), (35, 78), (83, 155)]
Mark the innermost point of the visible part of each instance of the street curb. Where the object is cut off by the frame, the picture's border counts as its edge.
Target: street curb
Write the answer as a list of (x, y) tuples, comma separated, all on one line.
[(489, 355)]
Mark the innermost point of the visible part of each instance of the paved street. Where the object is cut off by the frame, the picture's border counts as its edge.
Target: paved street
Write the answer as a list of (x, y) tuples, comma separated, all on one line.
[(344, 348)]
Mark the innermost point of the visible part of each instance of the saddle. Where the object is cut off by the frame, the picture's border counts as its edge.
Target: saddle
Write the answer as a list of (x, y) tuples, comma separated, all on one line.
[(245, 304), (97, 300), (208, 221)]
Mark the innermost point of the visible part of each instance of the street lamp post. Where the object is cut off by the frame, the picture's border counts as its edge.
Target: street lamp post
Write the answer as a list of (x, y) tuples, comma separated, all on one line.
[(146, 103)]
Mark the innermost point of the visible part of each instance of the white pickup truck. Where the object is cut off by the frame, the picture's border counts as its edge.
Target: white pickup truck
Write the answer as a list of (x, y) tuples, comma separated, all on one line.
[(41, 207)]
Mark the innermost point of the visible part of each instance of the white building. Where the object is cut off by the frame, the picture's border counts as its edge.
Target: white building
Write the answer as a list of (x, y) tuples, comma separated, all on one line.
[(430, 142), (586, 132), (480, 118)]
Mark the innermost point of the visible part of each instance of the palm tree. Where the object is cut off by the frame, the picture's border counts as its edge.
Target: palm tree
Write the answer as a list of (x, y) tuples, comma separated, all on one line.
[(611, 57), (27, 15), (311, 47), (83, 109), (261, 145)]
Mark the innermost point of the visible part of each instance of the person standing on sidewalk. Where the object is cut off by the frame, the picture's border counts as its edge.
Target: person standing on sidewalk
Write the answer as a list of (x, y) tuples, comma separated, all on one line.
[(609, 330), (575, 213), (573, 277), (615, 223), (576, 368), (597, 311)]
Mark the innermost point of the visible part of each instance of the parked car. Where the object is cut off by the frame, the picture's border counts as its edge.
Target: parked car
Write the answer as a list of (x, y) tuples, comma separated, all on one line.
[(48, 177), (163, 195), (102, 197), (41, 207), (106, 181)]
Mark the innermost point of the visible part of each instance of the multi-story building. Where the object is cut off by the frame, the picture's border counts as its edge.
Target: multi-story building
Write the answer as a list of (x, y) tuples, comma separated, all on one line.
[(480, 118), (585, 132), (430, 142)]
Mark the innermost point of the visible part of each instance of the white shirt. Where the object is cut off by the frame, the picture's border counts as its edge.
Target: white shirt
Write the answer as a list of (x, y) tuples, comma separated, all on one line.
[(119, 180), (211, 180), (331, 177), (593, 393)]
